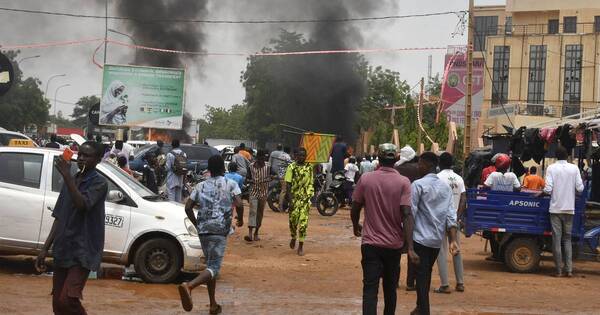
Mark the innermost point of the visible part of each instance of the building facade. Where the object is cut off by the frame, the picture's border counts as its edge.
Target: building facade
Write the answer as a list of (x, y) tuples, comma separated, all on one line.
[(542, 61)]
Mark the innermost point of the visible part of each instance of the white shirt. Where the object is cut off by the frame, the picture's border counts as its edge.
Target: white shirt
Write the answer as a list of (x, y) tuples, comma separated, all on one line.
[(351, 170), (456, 184), (503, 182), (366, 166), (562, 181)]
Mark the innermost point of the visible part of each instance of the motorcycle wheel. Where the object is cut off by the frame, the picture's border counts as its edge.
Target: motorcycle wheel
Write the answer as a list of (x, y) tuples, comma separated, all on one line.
[(327, 204)]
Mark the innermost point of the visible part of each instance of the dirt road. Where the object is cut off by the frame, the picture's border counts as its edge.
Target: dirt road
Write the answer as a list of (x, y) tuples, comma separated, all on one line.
[(268, 278)]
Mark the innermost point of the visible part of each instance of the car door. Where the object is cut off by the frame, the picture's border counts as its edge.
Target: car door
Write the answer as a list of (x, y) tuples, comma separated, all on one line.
[(22, 187)]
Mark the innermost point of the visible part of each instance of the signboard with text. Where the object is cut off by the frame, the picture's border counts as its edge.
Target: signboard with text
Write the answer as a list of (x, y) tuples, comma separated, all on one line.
[(454, 87), (142, 97)]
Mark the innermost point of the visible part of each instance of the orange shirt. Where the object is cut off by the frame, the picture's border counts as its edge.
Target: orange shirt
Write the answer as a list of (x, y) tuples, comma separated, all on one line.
[(533, 182), (246, 154)]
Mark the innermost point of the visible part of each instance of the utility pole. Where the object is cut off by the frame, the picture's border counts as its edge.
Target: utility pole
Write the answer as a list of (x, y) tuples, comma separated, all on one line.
[(469, 101), (105, 27), (420, 115)]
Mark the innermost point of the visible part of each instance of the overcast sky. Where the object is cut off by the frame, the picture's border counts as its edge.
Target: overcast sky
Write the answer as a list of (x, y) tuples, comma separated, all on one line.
[(214, 80)]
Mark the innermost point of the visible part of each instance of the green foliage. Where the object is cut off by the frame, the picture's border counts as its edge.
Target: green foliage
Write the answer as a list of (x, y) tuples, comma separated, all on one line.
[(82, 108), (224, 123), (24, 104)]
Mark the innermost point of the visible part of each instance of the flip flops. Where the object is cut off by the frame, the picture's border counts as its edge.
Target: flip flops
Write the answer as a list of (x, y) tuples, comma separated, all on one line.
[(186, 297)]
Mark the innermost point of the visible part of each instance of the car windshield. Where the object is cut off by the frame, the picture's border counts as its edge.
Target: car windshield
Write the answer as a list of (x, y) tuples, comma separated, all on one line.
[(133, 184), (197, 153)]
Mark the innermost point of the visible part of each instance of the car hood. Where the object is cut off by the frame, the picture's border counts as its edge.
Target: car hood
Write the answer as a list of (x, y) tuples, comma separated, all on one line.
[(171, 214)]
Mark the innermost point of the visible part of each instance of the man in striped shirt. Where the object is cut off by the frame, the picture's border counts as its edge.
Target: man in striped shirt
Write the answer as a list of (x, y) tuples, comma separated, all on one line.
[(259, 187)]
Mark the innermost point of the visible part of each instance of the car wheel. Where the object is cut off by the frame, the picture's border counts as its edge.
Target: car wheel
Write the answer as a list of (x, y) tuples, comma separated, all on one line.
[(158, 260)]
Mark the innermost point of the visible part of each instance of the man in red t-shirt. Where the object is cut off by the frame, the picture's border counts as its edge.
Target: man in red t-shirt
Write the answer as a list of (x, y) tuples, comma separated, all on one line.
[(388, 226)]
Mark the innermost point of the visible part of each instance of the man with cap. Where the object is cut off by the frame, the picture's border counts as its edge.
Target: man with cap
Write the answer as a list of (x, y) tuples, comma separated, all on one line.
[(407, 166), (388, 227)]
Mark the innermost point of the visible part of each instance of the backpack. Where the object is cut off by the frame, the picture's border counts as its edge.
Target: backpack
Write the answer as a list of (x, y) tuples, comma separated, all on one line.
[(180, 163)]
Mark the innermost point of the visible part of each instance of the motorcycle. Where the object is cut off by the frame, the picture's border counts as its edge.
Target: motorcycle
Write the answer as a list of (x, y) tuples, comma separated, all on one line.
[(273, 197), (329, 200)]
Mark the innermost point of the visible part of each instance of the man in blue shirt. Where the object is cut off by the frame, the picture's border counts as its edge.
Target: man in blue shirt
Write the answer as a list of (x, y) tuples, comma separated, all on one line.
[(215, 197), (431, 203), (77, 234)]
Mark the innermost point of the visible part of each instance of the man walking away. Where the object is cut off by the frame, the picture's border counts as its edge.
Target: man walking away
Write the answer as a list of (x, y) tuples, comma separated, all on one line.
[(234, 176), (176, 169), (242, 162), (388, 226), (563, 179), (431, 203), (275, 159), (244, 152), (339, 152), (459, 200), (408, 167), (215, 197), (77, 234), (350, 171), (502, 179), (533, 180), (366, 166), (259, 188), (300, 177)]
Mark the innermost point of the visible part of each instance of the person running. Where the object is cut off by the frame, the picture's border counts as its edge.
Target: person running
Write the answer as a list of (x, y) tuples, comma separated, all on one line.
[(431, 203), (388, 227), (77, 233), (502, 179), (459, 201), (563, 181), (215, 197), (174, 175), (259, 187), (299, 176), (533, 180)]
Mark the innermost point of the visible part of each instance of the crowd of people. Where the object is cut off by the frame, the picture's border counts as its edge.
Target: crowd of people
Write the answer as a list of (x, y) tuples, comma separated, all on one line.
[(411, 205)]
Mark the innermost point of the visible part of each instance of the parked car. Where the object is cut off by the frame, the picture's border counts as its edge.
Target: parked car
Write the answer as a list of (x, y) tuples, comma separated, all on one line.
[(141, 228), (6, 136), (197, 155)]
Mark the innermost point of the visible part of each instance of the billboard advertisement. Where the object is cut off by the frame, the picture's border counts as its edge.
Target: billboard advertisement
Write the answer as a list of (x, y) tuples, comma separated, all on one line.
[(142, 97), (454, 87)]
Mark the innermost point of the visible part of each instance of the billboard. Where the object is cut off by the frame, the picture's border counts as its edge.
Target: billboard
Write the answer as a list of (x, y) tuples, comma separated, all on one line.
[(454, 87), (142, 97)]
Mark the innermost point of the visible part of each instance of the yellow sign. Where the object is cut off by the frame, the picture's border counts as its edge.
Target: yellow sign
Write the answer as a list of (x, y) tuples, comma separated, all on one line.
[(20, 143), (318, 146)]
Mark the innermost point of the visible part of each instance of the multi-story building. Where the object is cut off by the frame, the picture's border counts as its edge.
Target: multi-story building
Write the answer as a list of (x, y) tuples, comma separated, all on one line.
[(542, 60)]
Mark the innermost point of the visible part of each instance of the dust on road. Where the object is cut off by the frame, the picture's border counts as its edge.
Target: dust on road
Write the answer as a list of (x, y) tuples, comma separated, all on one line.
[(267, 277)]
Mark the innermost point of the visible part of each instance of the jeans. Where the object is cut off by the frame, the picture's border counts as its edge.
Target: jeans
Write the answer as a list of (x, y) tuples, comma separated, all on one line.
[(562, 225), (213, 247), (442, 262), (427, 257), (379, 262)]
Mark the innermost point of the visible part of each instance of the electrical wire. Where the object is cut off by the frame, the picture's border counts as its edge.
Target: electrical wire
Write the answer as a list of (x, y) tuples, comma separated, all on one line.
[(145, 20)]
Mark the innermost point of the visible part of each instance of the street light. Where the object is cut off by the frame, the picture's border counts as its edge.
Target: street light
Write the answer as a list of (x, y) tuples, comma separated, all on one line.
[(55, 92), (25, 58), (50, 79)]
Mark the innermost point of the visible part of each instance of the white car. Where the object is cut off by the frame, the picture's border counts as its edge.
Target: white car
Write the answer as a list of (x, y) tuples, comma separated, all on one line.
[(140, 228), (6, 136)]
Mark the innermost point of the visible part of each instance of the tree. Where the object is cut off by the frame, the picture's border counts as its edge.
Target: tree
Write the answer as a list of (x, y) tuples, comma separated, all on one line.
[(24, 104), (224, 123), (82, 108)]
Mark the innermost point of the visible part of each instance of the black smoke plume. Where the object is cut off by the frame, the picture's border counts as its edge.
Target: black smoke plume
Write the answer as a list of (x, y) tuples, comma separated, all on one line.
[(168, 35)]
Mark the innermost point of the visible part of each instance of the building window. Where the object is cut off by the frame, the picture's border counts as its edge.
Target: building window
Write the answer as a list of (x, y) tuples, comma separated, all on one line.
[(500, 77), (484, 27), (570, 24), (597, 24), (552, 26), (537, 78), (508, 25), (572, 87)]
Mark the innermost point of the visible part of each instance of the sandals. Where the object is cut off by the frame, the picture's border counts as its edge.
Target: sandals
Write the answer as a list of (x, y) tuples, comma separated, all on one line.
[(248, 238), (460, 287), (216, 310), (186, 297), (443, 289)]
